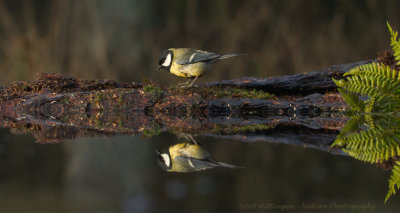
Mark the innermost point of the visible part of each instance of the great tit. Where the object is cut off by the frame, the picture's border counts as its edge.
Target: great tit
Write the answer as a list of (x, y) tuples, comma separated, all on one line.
[(189, 63), (188, 157)]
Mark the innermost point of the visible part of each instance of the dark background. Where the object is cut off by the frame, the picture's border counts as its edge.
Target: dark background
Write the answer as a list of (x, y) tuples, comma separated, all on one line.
[(122, 40)]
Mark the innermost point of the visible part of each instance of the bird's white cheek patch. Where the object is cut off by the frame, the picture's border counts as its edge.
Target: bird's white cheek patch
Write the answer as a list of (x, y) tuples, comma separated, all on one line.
[(166, 159), (167, 61)]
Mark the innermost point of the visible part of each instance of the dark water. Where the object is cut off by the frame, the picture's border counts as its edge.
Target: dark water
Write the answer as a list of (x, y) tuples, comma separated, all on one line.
[(120, 174)]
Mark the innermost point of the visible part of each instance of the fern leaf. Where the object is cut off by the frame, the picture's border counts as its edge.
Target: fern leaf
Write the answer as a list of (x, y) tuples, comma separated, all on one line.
[(394, 181), (374, 156), (374, 75), (364, 86), (374, 68), (352, 100), (372, 85), (351, 126), (339, 83), (373, 145), (394, 43), (369, 121), (369, 105)]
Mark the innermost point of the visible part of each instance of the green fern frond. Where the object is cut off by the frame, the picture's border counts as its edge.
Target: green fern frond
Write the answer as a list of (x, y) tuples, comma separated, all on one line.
[(373, 145), (374, 69), (375, 157), (339, 83), (372, 86), (381, 72), (369, 121), (394, 181), (352, 100), (362, 85), (394, 43), (378, 150), (369, 105), (363, 140), (351, 126)]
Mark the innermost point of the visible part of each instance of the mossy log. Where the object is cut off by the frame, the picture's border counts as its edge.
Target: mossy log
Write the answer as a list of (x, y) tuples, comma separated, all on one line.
[(297, 109)]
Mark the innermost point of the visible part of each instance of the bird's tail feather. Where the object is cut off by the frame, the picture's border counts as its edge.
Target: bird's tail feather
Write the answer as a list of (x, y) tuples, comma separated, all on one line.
[(229, 165), (231, 55)]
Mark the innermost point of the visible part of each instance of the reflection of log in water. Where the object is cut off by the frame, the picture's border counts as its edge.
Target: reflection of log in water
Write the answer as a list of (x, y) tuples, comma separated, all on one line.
[(306, 109)]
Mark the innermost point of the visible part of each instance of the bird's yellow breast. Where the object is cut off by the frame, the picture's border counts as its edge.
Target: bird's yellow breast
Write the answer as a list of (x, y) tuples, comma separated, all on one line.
[(189, 70), (188, 150)]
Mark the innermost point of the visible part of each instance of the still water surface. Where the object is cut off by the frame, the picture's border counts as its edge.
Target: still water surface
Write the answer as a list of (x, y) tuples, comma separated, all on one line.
[(120, 174)]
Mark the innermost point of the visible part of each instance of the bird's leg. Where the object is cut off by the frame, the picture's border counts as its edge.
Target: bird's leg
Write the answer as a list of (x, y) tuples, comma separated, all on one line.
[(187, 82), (193, 81), (192, 139), (180, 83), (188, 137), (184, 84)]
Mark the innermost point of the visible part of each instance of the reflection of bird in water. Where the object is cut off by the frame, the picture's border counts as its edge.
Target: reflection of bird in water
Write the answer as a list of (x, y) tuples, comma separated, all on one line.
[(188, 157)]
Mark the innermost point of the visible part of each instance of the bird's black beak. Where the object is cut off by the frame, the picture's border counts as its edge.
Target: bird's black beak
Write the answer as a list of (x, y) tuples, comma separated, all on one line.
[(159, 67), (158, 152)]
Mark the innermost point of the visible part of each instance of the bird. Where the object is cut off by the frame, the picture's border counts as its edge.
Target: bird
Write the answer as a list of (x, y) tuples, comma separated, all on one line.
[(189, 63), (188, 157)]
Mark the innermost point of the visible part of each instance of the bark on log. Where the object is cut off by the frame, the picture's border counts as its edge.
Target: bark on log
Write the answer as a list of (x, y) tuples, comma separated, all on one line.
[(301, 84)]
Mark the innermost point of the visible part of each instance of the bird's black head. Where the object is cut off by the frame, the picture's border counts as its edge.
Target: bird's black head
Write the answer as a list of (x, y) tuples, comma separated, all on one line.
[(165, 60), (164, 160)]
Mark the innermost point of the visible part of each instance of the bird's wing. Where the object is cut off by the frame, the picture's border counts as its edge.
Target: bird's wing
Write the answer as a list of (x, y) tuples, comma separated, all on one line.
[(198, 164), (193, 56)]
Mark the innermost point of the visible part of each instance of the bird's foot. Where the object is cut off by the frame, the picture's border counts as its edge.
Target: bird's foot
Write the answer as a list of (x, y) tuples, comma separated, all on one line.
[(191, 83), (188, 137), (184, 84)]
